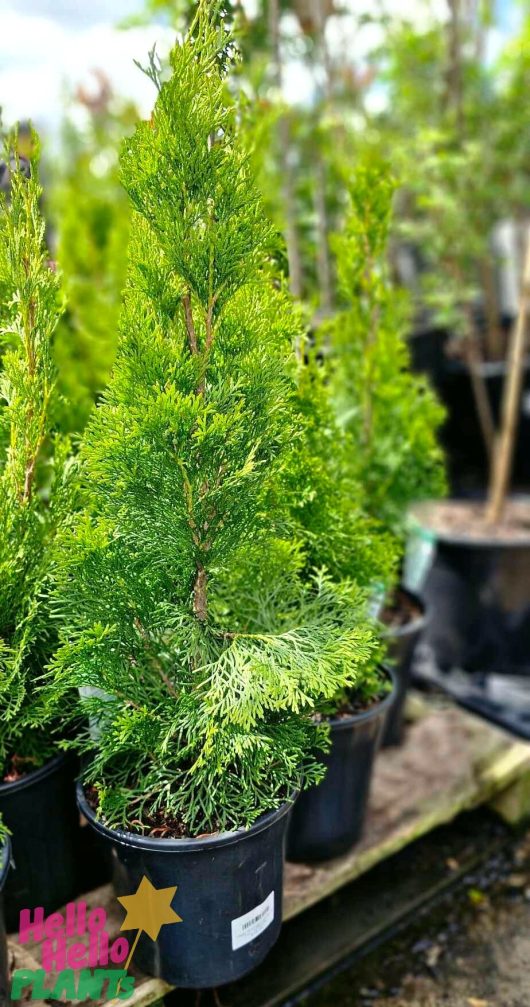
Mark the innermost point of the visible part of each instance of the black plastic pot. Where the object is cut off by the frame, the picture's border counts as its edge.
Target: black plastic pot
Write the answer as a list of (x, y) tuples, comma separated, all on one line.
[(402, 642), (229, 897), (5, 859), (328, 819), (478, 591), (461, 433), (40, 812), (427, 345)]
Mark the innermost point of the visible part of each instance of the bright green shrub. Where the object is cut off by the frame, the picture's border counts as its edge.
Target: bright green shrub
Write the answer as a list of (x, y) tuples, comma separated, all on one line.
[(33, 469), (91, 214), (181, 585), (390, 415)]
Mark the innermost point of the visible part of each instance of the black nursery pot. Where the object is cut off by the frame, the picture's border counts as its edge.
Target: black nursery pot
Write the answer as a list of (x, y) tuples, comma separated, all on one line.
[(402, 642), (478, 591), (461, 433), (328, 819), (40, 812), (427, 344), (229, 897), (5, 859)]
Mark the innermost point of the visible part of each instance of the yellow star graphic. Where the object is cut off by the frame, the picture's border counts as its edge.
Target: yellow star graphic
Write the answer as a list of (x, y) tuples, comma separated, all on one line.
[(148, 910)]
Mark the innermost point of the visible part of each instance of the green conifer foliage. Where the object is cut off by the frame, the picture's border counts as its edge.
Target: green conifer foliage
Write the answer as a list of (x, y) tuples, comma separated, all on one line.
[(91, 215), (33, 464), (180, 584), (390, 414), (339, 529)]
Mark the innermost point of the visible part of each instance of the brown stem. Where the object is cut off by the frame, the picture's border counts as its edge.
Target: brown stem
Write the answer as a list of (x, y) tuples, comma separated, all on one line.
[(494, 345), (454, 71), (284, 145), (190, 325), (323, 261), (208, 343), (480, 392), (200, 600), (510, 410), (28, 479)]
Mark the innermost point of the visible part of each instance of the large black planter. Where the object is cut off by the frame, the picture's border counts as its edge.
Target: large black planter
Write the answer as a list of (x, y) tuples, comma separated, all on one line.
[(402, 643), (40, 812), (229, 897), (5, 857), (328, 819), (427, 345), (461, 433), (478, 593)]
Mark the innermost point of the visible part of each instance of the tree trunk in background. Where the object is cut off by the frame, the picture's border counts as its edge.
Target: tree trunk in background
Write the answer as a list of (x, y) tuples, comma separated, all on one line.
[(511, 402), (286, 168), (325, 286), (475, 362), (454, 87), (323, 258), (494, 340)]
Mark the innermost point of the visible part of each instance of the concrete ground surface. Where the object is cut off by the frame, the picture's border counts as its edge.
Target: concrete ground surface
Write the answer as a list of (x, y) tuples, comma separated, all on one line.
[(470, 950)]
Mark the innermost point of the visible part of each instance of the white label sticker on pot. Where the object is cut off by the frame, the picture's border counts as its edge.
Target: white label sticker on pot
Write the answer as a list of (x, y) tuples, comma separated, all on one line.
[(246, 928)]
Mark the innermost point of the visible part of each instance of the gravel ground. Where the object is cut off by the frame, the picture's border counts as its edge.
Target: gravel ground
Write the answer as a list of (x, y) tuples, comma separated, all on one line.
[(472, 950)]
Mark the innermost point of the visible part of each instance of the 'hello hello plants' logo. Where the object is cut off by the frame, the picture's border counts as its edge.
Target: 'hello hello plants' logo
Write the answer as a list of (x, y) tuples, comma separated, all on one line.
[(77, 951)]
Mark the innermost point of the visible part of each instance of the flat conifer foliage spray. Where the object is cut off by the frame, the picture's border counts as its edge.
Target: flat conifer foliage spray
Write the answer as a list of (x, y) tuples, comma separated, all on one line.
[(179, 585), (34, 488)]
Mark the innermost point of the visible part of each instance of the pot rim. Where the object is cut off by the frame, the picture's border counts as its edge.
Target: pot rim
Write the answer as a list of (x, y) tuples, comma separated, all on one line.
[(420, 515), (349, 720), (417, 624), (5, 860), (36, 775), (186, 845)]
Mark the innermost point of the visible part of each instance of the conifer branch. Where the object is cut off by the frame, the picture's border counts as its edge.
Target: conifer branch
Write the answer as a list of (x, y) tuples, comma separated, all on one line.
[(190, 325), (35, 489)]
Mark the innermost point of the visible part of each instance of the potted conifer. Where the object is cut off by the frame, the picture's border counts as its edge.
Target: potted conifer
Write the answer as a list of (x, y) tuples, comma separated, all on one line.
[(37, 792), (371, 450), (184, 611), (390, 415), (338, 536)]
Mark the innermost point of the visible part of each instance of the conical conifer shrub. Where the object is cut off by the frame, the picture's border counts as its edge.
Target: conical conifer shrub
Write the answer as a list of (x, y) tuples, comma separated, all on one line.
[(390, 414), (180, 586)]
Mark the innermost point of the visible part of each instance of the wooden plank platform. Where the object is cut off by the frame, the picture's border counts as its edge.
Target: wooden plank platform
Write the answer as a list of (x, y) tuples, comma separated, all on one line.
[(451, 762)]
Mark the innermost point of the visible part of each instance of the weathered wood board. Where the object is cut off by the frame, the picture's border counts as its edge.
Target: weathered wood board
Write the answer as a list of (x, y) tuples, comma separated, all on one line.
[(451, 762)]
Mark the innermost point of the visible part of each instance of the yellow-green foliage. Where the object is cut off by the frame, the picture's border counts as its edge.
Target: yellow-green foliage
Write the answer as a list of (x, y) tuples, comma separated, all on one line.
[(180, 585), (33, 462), (391, 416), (91, 215)]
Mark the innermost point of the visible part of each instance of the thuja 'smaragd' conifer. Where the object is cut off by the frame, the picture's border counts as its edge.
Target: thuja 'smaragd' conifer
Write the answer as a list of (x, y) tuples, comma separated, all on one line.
[(180, 585), (33, 467), (390, 414)]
